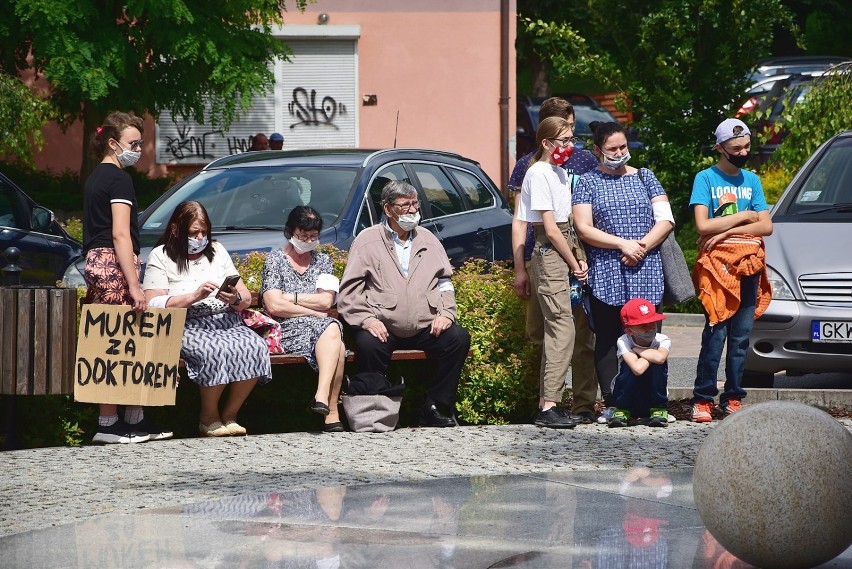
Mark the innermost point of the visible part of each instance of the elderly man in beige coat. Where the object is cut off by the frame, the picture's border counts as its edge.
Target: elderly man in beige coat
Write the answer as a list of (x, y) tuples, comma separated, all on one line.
[(397, 294)]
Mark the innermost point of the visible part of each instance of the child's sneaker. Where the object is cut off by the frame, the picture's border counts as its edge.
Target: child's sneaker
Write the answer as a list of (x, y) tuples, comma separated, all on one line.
[(702, 412), (606, 415), (620, 418), (670, 418), (732, 406), (659, 418)]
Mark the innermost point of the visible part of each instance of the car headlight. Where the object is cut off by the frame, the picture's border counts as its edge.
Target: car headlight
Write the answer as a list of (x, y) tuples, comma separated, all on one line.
[(780, 289), (73, 277)]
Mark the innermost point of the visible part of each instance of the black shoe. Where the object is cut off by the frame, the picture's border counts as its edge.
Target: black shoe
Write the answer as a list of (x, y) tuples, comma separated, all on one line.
[(154, 432), (336, 427), (430, 416), (119, 433), (554, 418), (319, 407), (583, 418)]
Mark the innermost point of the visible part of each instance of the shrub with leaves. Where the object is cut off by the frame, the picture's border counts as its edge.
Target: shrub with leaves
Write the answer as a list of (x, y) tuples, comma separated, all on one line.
[(499, 381), (774, 180), (251, 269), (74, 227)]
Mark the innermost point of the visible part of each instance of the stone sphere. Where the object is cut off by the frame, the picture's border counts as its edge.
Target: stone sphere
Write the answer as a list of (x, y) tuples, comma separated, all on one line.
[(773, 484)]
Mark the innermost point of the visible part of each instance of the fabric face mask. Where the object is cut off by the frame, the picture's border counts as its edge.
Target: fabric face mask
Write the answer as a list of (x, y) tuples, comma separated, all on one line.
[(127, 157), (303, 246), (196, 245), (409, 221), (615, 163), (737, 159), (645, 338), (561, 154)]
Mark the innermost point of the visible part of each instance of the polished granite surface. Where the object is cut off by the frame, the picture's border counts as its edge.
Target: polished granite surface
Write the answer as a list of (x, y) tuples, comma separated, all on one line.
[(635, 518)]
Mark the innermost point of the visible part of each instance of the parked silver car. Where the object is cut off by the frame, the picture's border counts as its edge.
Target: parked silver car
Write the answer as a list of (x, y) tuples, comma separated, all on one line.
[(808, 325)]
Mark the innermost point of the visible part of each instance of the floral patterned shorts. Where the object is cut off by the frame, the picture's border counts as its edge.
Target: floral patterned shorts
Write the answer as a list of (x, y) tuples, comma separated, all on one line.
[(107, 284)]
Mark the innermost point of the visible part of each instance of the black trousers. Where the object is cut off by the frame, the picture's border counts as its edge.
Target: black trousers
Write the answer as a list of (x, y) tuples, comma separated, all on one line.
[(449, 350)]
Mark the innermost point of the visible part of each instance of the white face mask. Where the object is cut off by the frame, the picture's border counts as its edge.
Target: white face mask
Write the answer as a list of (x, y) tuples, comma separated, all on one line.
[(197, 245), (409, 221), (127, 157), (645, 338), (615, 163), (303, 246)]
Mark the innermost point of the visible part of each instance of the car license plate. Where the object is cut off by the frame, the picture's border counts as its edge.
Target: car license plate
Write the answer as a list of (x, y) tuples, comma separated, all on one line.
[(831, 331)]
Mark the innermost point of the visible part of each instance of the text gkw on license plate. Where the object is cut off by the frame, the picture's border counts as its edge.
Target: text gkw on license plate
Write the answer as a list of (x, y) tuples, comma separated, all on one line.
[(831, 331)]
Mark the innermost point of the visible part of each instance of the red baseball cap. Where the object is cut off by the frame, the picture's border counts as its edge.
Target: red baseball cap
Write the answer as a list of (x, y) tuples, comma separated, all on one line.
[(639, 311)]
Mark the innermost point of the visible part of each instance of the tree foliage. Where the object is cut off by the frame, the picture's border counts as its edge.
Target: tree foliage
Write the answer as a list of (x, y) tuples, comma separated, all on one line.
[(22, 113), (145, 56), (678, 64)]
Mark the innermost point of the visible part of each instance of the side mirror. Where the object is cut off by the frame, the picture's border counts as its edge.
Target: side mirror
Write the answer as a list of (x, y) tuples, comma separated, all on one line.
[(42, 219)]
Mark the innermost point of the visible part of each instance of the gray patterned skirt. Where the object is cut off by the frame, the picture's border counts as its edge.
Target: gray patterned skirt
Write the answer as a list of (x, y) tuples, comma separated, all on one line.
[(221, 349)]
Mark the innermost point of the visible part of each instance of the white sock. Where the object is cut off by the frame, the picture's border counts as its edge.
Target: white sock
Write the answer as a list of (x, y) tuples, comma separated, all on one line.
[(107, 420), (133, 415)]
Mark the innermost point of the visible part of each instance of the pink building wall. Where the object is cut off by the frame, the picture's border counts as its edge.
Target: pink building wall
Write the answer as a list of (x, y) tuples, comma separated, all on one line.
[(437, 63)]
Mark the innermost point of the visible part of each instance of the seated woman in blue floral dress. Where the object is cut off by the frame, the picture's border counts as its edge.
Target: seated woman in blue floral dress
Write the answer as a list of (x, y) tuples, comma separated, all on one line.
[(299, 288)]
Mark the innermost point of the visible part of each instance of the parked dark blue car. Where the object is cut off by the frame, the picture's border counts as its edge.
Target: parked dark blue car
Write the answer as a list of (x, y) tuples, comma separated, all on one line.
[(248, 197), (46, 250)]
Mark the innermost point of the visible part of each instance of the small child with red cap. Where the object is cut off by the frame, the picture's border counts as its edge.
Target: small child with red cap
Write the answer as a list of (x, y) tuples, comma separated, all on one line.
[(640, 388)]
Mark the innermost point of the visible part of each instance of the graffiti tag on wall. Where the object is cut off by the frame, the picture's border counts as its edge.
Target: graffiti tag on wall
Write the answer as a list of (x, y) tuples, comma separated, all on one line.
[(187, 145), (304, 107)]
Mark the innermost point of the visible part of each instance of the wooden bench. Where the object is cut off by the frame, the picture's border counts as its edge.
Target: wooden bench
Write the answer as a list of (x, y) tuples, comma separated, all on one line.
[(285, 359)]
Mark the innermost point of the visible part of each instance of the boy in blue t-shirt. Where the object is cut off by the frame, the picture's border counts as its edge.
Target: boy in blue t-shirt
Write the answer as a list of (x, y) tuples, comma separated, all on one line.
[(727, 200)]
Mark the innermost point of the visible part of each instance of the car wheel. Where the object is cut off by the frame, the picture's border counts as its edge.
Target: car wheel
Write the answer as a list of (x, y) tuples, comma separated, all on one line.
[(758, 379)]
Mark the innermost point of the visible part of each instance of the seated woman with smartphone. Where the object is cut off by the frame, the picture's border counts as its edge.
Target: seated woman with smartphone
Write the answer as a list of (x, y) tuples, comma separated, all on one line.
[(188, 269), (299, 288)]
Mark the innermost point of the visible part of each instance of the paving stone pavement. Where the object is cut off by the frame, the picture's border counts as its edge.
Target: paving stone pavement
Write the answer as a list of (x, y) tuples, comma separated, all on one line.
[(48, 487)]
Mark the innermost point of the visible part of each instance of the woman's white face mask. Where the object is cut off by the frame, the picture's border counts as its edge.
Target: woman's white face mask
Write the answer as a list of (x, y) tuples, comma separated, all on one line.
[(615, 162), (303, 246)]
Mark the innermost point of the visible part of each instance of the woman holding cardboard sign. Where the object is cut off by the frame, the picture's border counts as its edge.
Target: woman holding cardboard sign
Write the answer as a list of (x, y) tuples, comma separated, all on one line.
[(111, 243), (188, 269)]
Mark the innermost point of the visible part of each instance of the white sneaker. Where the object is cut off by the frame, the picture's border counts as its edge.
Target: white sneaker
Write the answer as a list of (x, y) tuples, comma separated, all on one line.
[(672, 418), (606, 415)]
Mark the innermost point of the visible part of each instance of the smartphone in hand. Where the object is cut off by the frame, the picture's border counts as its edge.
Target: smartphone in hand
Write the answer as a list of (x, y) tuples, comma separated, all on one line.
[(229, 283)]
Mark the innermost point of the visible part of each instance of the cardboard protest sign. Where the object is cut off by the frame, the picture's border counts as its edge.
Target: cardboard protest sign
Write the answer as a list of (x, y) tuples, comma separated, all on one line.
[(126, 357)]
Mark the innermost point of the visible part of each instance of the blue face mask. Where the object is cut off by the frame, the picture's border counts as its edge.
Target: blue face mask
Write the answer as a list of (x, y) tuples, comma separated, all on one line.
[(197, 245)]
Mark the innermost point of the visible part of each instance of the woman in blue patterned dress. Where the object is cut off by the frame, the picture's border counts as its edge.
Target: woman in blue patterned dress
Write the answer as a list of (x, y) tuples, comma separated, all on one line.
[(299, 288), (186, 270), (622, 215)]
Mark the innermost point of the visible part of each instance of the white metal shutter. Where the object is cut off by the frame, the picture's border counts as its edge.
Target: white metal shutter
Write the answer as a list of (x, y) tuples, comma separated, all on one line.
[(318, 89), (312, 104)]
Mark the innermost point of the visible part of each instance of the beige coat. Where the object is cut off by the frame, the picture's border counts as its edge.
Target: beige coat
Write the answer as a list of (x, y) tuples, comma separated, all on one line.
[(373, 286)]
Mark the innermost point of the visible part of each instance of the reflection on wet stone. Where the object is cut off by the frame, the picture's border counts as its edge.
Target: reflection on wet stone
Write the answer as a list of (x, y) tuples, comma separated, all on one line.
[(637, 518)]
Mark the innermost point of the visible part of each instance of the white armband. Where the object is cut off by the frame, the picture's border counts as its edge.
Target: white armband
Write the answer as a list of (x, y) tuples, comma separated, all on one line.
[(663, 211), (159, 301), (328, 282), (445, 285)]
